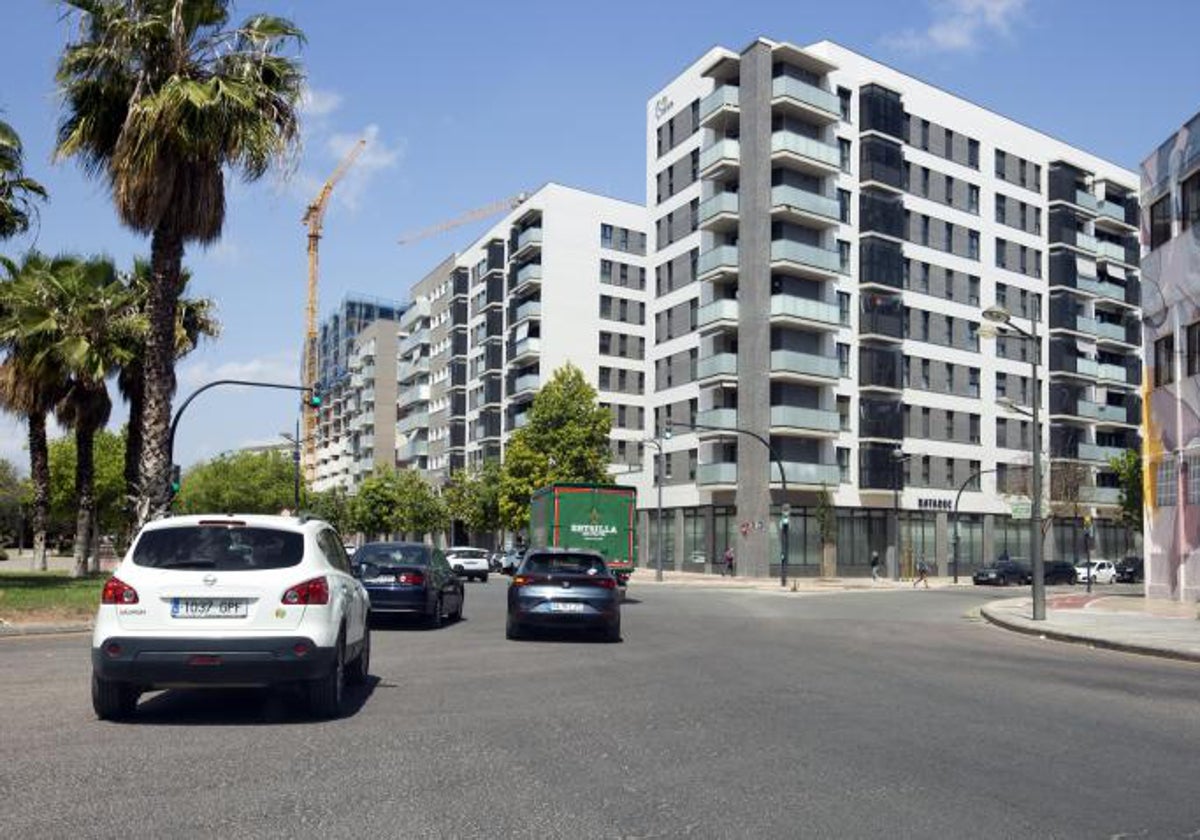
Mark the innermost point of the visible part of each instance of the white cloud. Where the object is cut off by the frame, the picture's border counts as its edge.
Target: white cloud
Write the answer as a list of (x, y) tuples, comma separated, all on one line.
[(319, 103), (377, 156), (282, 367), (959, 25)]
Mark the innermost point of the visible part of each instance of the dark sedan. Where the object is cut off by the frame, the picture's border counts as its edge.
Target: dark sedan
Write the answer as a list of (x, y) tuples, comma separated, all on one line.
[(1130, 570), (1003, 573), (411, 578), (562, 588), (1058, 571)]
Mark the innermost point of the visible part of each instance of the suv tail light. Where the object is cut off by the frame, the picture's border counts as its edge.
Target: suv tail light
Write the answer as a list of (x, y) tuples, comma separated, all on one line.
[(606, 582), (117, 591), (315, 591), (522, 580), (411, 578)]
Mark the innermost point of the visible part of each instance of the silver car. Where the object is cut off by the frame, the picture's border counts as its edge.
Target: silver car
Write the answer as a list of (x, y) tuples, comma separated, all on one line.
[(561, 588)]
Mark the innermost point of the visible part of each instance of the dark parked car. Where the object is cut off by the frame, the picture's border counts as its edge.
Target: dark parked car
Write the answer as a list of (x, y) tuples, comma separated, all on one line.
[(556, 587), (1058, 571), (1002, 573), (411, 578), (1130, 570)]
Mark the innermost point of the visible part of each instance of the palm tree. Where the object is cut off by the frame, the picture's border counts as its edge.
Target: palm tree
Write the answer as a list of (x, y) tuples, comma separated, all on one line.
[(160, 97), (16, 190), (29, 387), (78, 319), (195, 319)]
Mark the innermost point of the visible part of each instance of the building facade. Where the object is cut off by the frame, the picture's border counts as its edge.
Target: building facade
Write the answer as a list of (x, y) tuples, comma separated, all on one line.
[(1170, 227), (826, 233)]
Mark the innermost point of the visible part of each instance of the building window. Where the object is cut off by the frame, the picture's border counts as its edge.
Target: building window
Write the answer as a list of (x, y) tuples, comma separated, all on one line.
[(973, 433), (924, 230), (843, 351), (1167, 490), (844, 256), (1001, 253), (973, 382), (843, 409), (1001, 209), (1001, 164), (1001, 385), (925, 424), (1164, 361), (844, 153), (973, 244), (925, 135), (923, 282), (1193, 349), (925, 374), (1190, 201), (606, 235), (843, 462), (973, 199), (844, 102), (844, 308), (1160, 222), (973, 290), (844, 205), (973, 154)]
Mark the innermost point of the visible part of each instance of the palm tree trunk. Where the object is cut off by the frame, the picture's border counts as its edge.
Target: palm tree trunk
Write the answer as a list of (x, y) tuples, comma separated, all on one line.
[(154, 471), (85, 494), (133, 441), (39, 469)]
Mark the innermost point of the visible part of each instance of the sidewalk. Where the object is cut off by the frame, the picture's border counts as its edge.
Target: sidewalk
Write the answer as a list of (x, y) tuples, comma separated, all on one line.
[(1127, 623), (644, 576)]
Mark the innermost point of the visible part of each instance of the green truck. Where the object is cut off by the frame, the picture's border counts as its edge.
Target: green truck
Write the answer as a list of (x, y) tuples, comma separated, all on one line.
[(595, 517)]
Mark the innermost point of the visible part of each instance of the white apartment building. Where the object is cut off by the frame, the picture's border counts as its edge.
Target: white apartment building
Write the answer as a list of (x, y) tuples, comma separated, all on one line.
[(825, 235)]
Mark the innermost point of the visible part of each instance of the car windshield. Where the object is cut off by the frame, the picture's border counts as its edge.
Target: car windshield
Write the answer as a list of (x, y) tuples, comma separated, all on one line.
[(388, 555), (577, 563), (219, 547)]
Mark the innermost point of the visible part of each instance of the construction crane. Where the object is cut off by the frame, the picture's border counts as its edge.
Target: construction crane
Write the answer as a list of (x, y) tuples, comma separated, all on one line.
[(466, 218), (314, 218)]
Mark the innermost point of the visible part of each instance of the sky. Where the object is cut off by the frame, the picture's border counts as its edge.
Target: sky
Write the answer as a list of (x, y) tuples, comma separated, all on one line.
[(467, 103)]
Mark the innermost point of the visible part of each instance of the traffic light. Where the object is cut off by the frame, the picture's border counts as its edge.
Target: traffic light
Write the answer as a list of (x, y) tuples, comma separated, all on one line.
[(787, 511), (667, 430), (175, 479), (314, 400)]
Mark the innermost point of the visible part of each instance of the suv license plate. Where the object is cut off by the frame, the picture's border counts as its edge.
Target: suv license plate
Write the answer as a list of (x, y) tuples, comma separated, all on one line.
[(209, 608), (565, 606)]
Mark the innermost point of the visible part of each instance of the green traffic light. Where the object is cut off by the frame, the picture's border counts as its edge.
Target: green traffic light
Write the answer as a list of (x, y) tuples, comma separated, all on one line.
[(315, 401)]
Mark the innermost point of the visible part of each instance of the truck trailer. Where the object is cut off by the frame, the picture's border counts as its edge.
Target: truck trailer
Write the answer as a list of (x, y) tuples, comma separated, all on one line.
[(593, 517)]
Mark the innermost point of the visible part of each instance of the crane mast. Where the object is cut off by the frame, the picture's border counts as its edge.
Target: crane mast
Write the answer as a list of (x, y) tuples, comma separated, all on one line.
[(314, 218)]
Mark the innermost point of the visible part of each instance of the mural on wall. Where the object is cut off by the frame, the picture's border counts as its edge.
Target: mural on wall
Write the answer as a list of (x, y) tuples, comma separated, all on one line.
[(1171, 394)]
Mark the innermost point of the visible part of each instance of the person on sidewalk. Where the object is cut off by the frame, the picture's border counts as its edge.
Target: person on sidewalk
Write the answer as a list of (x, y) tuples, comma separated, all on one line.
[(875, 567), (922, 573), (727, 568)]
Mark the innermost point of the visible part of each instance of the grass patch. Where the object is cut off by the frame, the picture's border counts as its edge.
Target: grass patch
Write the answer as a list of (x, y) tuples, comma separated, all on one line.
[(48, 596)]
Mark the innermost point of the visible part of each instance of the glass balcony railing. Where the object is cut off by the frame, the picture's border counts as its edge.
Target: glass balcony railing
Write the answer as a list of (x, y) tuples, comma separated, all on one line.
[(721, 364), (1111, 209), (790, 361), (725, 202), (823, 100), (1114, 331), (721, 472), (1111, 250), (1100, 495), (1087, 367), (804, 201), (525, 347), (530, 272), (717, 418), (799, 472), (813, 419), (415, 394), (790, 142), (412, 450), (790, 306), (528, 382), (722, 97), (725, 309), (810, 256), (413, 341), (520, 420), (530, 236), (1085, 199), (414, 421), (720, 257), (1096, 411), (527, 310), (1114, 373), (1085, 241), (1094, 452), (722, 150)]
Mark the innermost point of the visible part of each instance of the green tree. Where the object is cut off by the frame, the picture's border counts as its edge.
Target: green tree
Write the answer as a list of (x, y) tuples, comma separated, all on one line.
[(238, 482), (161, 97), (373, 507), (1128, 467), (109, 482), (566, 439), (333, 506), (195, 319), (11, 494), (473, 497), (420, 510), (826, 517), (17, 191)]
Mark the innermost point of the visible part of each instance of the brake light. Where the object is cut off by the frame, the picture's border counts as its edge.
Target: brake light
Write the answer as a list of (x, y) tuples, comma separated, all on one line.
[(522, 580), (117, 591), (411, 578), (606, 583), (315, 591)]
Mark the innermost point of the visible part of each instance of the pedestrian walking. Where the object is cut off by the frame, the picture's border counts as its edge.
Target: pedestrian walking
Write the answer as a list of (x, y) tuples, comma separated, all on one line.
[(875, 567), (728, 562), (922, 573)]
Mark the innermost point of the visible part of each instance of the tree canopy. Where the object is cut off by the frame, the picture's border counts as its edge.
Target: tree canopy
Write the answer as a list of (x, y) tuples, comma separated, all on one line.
[(473, 497), (239, 482), (1128, 467), (391, 501), (17, 190), (108, 458)]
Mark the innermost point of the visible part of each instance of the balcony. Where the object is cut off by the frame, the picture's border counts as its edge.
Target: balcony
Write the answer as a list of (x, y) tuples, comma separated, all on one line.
[(367, 396), (716, 420), (723, 99), (1085, 242), (722, 473), (804, 309), (1110, 251), (805, 419), (810, 99), (1104, 413), (1087, 367), (802, 473), (722, 259), (520, 420), (413, 395), (808, 260), (412, 422), (366, 442), (526, 348), (1111, 213), (789, 363), (528, 277), (717, 315), (1100, 288), (1100, 495), (1086, 200), (527, 241), (413, 341), (1094, 452), (1114, 332), (718, 365), (530, 309), (410, 370), (720, 208), (804, 205), (1113, 373), (812, 156), (412, 450), (725, 153), (527, 384)]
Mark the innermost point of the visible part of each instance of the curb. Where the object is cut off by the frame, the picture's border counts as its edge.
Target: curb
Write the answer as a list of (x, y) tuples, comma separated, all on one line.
[(1022, 626), (18, 630)]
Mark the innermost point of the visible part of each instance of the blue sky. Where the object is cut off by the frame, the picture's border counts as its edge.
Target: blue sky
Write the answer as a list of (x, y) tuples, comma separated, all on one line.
[(466, 103)]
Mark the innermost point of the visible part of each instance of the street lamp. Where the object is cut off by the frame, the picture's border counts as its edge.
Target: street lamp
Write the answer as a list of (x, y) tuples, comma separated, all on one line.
[(294, 440), (658, 480), (898, 458), (1000, 315)]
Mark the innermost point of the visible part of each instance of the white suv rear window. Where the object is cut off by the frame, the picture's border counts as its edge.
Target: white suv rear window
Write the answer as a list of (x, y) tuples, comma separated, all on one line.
[(219, 547)]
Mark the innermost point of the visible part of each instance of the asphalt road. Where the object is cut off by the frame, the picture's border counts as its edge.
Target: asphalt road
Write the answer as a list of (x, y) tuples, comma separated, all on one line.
[(722, 714)]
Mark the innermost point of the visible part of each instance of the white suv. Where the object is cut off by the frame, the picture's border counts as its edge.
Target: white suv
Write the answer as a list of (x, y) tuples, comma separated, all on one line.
[(217, 600), (469, 562)]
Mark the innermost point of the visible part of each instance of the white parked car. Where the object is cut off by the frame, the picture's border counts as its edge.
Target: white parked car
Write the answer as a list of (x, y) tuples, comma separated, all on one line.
[(217, 600), (1103, 571), (469, 562)]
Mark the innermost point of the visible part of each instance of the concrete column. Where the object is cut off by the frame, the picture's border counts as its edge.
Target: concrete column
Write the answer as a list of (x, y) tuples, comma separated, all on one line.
[(710, 547), (644, 560), (677, 529), (941, 542), (988, 555), (754, 305)]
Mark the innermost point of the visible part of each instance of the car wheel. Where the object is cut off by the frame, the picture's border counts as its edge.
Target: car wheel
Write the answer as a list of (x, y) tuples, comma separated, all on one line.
[(512, 629), (113, 700), (1002, 581), (458, 570), (483, 579), (325, 693), (360, 668), (612, 631), (458, 611), (434, 619)]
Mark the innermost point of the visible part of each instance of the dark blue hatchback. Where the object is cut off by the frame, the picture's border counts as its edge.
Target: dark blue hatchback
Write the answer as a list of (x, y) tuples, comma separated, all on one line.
[(411, 578)]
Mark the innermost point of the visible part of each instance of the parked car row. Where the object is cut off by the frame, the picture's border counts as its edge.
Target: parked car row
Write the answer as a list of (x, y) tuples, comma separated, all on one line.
[(272, 600), (1017, 571)]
